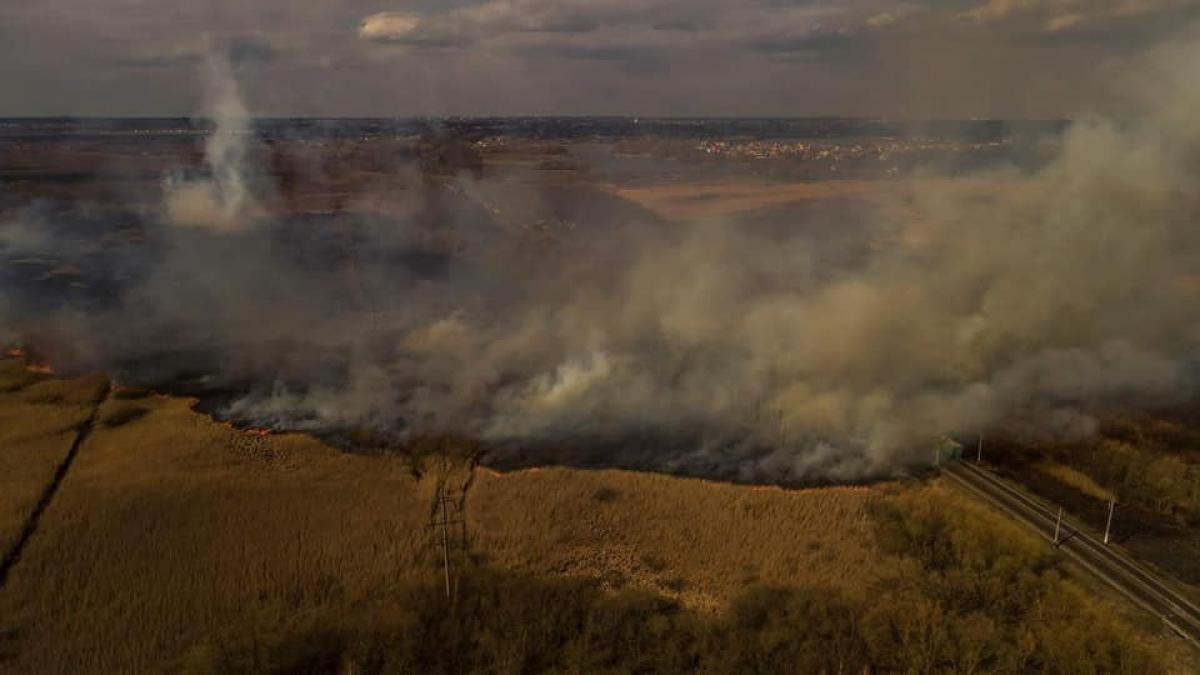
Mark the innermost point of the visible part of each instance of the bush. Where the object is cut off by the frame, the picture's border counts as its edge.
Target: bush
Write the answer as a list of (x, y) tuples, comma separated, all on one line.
[(986, 595), (510, 624)]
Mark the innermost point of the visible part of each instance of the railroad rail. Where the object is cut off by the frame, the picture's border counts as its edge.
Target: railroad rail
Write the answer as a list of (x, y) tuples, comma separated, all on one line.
[(1140, 584)]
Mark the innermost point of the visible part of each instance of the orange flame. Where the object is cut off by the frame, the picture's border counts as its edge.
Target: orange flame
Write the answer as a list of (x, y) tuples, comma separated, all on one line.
[(40, 369), (14, 353), (258, 432)]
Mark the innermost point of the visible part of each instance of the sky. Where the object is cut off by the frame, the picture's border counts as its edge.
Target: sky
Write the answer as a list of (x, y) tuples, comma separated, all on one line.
[(913, 59)]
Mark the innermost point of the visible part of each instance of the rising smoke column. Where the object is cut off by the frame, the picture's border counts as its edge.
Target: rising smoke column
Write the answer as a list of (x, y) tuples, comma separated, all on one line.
[(222, 199)]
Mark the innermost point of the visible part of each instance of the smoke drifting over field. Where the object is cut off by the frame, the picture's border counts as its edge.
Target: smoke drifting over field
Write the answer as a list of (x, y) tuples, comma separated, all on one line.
[(702, 347)]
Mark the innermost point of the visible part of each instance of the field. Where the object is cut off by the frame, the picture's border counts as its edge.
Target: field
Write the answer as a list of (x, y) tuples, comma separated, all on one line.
[(38, 424), (169, 526), (699, 542), (176, 543)]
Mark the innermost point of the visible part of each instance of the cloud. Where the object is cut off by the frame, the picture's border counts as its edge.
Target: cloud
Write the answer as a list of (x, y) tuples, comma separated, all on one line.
[(995, 10), (814, 42), (882, 20), (138, 57), (1060, 15), (389, 26), (401, 28), (1063, 22)]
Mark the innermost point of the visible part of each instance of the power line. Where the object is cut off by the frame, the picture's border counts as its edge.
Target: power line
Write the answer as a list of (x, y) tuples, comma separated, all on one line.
[(441, 522)]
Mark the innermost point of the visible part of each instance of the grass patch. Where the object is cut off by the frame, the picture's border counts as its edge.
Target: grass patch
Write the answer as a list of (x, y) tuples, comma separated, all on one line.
[(85, 390), (14, 376), (1151, 477), (1076, 479), (127, 393), (123, 414), (549, 522), (34, 440), (606, 495)]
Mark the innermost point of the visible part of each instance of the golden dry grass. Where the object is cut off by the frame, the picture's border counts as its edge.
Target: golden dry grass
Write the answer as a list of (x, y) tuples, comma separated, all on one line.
[(698, 541), (174, 535), (1076, 479), (38, 421), (171, 528)]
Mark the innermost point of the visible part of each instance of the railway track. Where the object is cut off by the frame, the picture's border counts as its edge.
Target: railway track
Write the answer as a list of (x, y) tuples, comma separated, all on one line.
[(1109, 563)]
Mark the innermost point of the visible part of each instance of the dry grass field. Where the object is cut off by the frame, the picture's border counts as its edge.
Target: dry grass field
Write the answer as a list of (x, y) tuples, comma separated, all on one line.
[(701, 542), (38, 423), (179, 544), (170, 529)]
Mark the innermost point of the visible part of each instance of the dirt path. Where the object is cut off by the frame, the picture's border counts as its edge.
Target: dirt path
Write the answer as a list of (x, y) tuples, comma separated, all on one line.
[(31, 524)]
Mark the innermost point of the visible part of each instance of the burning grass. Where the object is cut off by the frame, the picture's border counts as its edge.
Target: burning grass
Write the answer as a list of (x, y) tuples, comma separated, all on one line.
[(176, 543)]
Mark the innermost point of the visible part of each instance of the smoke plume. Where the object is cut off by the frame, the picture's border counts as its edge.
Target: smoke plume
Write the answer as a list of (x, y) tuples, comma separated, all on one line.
[(1009, 297), (221, 199)]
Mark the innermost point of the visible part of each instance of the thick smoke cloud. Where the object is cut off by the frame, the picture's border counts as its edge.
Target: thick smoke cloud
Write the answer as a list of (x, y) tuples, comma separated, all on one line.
[(1009, 298)]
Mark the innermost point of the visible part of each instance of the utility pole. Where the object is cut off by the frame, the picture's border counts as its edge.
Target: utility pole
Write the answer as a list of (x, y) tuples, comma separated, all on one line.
[(979, 449), (445, 541), (441, 523), (1058, 525), (1112, 505)]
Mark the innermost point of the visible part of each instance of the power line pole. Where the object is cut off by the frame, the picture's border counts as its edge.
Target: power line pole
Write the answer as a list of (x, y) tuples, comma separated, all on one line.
[(979, 449), (441, 523), (446, 542), (1112, 505), (1058, 525)]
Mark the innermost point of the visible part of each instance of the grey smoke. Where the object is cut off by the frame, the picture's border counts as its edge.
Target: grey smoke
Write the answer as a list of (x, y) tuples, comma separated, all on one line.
[(708, 348)]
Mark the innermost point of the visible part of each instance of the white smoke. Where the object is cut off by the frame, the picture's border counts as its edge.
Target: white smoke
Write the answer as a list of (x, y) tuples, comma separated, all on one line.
[(222, 200), (1052, 293), (999, 299)]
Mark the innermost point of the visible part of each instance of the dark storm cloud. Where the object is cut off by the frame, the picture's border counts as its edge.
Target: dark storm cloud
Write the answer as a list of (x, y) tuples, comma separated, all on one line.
[(397, 57)]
